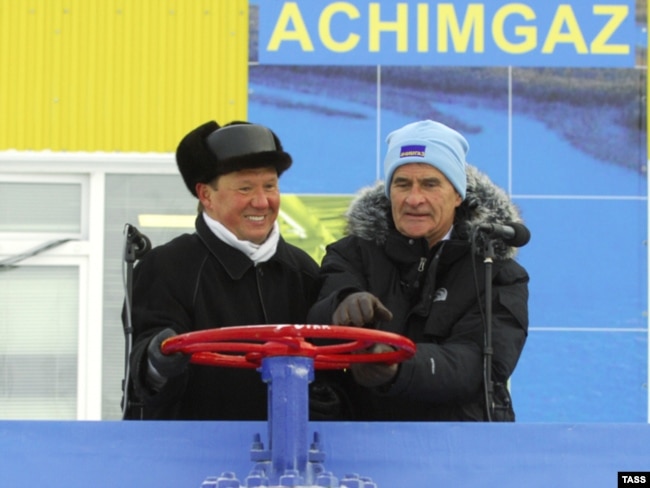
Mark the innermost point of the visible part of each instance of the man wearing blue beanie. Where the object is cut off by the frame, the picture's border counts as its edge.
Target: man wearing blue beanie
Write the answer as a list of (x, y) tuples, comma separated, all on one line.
[(412, 264)]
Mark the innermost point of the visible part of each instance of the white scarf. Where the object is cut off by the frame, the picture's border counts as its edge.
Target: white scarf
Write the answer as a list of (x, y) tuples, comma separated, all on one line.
[(258, 253)]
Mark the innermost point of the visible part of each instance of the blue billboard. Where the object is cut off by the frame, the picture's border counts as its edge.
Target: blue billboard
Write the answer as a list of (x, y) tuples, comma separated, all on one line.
[(459, 33)]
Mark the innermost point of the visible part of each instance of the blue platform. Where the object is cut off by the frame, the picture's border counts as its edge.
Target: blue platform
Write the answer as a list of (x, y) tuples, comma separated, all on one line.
[(394, 455)]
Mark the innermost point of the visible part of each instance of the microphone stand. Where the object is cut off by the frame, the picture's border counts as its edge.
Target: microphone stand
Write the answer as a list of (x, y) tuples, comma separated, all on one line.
[(487, 350), (496, 403), (132, 252)]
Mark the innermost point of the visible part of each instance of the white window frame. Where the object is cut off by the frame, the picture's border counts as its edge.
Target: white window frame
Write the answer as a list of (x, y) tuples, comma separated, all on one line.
[(85, 250)]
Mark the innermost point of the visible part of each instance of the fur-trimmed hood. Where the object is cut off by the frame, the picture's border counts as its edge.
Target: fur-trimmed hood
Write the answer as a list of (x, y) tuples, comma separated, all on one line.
[(369, 215)]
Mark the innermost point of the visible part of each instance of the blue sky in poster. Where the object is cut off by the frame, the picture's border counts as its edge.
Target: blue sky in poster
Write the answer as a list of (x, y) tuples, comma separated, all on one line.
[(462, 33), (346, 153)]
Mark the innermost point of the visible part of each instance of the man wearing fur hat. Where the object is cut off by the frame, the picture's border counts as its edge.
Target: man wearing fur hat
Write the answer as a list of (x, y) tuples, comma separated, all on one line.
[(408, 266), (236, 269)]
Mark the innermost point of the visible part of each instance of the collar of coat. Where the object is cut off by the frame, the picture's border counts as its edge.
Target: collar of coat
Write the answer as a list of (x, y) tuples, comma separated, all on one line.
[(369, 215), (234, 261)]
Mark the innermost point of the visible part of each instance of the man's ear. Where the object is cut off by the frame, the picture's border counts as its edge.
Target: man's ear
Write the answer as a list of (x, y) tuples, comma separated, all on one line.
[(203, 192), (459, 199)]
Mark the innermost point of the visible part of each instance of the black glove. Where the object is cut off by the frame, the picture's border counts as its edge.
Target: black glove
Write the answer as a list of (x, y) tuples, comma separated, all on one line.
[(375, 374), (167, 365), (325, 403), (360, 308)]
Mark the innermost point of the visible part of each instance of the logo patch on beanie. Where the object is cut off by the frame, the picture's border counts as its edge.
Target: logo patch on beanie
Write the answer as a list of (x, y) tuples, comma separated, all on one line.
[(412, 150)]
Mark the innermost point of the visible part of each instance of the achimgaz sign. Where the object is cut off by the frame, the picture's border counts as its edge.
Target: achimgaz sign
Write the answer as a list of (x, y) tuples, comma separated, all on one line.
[(550, 33)]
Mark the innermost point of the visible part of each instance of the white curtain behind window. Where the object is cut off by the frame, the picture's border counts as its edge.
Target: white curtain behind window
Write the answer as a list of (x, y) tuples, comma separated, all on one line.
[(39, 308), (40, 207)]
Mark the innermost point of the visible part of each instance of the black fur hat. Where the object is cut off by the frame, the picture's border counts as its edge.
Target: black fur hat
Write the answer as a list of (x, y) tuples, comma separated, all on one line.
[(210, 151)]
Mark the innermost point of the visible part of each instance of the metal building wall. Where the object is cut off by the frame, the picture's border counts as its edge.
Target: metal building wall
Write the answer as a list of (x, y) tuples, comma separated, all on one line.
[(119, 75)]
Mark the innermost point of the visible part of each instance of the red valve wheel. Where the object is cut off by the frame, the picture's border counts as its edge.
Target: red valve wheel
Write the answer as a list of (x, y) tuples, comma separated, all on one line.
[(246, 346)]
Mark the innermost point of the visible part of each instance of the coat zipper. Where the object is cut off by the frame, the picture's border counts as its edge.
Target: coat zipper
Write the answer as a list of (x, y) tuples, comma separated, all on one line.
[(258, 274)]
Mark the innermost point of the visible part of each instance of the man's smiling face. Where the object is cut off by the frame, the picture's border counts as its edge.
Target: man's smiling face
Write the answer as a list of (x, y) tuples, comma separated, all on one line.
[(246, 202)]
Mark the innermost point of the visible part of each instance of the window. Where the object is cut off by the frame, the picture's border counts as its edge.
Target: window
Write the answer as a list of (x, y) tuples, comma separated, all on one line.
[(39, 316), (130, 197), (41, 294)]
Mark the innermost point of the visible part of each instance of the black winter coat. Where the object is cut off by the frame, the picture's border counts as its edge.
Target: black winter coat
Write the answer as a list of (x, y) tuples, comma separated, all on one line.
[(197, 282), (437, 300)]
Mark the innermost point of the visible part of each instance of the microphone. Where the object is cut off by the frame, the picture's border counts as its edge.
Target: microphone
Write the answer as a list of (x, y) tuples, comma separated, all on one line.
[(513, 233), (141, 242)]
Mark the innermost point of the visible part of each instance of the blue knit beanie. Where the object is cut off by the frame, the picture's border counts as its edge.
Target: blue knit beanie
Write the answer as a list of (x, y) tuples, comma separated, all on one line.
[(431, 143)]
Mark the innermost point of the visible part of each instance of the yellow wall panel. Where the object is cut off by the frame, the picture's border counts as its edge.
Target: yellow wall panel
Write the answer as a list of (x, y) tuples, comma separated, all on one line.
[(119, 75)]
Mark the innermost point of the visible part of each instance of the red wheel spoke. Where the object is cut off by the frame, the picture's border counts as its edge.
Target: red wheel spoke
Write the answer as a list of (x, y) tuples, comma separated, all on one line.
[(215, 359), (346, 347), (221, 347)]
